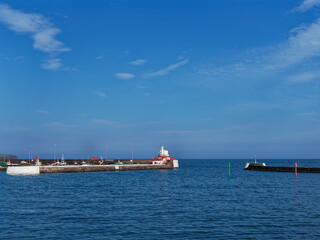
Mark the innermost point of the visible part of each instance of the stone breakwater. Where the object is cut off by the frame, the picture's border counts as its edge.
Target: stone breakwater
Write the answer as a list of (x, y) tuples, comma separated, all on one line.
[(264, 167), (33, 170)]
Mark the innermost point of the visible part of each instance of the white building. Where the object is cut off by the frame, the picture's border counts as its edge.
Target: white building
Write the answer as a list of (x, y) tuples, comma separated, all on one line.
[(163, 152)]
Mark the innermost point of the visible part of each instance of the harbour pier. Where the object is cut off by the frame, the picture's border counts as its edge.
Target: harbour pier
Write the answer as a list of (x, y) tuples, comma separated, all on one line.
[(254, 166), (162, 161), (31, 170)]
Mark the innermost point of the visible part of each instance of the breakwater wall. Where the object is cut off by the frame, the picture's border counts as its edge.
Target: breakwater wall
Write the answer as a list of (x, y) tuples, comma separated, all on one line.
[(263, 167), (33, 170), (79, 161)]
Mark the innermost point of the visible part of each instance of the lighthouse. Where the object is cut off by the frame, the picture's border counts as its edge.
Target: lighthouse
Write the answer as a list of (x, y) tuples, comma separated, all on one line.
[(164, 152), (162, 158)]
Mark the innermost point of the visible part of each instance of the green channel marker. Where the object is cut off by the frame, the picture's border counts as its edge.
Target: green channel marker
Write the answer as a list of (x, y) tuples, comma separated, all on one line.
[(229, 169)]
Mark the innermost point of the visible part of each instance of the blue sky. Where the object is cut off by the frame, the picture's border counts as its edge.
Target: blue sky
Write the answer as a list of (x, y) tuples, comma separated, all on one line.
[(206, 79)]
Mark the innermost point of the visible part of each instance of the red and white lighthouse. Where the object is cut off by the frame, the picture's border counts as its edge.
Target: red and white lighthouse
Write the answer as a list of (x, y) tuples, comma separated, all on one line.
[(162, 158)]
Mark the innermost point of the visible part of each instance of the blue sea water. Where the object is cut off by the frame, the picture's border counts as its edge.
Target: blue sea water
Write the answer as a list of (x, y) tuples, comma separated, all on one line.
[(197, 201)]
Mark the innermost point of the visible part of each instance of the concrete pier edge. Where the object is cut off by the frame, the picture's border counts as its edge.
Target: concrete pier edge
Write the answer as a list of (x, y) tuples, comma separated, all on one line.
[(34, 170)]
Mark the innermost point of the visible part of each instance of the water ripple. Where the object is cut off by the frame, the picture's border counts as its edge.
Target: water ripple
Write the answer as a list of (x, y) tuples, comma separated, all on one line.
[(198, 201)]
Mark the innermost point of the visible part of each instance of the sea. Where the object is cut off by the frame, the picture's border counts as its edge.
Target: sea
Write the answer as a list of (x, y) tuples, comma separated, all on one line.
[(197, 201)]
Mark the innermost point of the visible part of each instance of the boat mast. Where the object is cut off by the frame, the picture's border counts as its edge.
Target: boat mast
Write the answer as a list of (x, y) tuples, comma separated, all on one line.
[(106, 152), (29, 154), (55, 150), (132, 153)]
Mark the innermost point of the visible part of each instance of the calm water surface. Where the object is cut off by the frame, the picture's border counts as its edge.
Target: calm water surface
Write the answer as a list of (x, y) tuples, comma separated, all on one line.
[(197, 201)]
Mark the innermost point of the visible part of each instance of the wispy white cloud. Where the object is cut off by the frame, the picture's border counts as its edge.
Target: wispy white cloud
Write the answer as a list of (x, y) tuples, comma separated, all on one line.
[(101, 57), (124, 76), (125, 54), (299, 49), (39, 28), (41, 111), (233, 69), (304, 77), (303, 44), (60, 125), (309, 116), (21, 22), (154, 123), (258, 105), (232, 129), (168, 69), (100, 94), (17, 129), (108, 123), (18, 59), (306, 5), (45, 41), (52, 64), (138, 62)]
